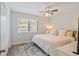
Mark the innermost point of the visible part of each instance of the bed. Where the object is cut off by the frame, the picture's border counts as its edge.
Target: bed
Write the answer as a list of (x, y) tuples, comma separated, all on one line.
[(49, 43)]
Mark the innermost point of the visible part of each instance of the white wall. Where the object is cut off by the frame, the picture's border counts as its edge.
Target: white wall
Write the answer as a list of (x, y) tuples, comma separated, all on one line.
[(66, 17), (25, 37)]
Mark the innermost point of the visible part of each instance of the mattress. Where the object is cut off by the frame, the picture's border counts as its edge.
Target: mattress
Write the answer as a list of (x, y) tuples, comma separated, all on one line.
[(49, 43)]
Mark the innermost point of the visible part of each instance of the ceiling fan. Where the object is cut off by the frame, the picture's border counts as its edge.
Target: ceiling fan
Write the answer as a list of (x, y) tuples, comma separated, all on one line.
[(48, 11)]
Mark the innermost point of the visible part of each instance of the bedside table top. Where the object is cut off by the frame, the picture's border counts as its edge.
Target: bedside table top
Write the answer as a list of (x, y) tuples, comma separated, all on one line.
[(68, 49)]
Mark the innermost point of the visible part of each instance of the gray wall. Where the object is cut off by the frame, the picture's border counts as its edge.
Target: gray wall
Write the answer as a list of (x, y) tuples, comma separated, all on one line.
[(16, 37), (66, 17)]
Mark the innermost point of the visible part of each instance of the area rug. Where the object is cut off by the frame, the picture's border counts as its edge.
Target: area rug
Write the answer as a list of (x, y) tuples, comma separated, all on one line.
[(30, 49)]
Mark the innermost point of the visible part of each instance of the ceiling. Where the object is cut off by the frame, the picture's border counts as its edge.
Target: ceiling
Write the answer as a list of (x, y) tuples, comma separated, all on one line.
[(35, 7), (29, 7)]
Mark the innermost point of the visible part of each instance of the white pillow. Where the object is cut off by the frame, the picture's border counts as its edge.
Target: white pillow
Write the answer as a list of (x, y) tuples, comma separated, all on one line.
[(62, 32), (54, 31), (69, 33)]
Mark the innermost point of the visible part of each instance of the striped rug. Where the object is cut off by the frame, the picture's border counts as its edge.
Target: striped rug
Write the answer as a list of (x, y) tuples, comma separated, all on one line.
[(30, 49)]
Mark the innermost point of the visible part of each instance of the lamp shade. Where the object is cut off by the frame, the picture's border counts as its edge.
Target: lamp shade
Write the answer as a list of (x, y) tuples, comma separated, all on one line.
[(48, 28)]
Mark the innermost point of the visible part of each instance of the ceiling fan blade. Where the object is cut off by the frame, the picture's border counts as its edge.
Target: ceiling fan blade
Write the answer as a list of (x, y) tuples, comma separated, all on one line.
[(54, 10), (41, 11), (44, 11), (51, 13)]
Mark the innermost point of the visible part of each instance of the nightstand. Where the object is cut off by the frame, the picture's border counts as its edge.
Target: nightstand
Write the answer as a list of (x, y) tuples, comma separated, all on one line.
[(67, 50)]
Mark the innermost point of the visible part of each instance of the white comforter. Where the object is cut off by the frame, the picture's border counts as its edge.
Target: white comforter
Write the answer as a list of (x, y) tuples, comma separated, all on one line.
[(49, 43)]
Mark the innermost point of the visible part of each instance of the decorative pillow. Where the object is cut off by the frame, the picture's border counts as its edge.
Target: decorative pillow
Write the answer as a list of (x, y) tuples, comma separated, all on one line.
[(69, 33), (54, 31), (62, 32)]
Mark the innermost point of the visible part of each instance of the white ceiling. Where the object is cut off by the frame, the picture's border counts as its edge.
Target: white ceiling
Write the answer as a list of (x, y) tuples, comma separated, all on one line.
[(29, 7), (35, 7)]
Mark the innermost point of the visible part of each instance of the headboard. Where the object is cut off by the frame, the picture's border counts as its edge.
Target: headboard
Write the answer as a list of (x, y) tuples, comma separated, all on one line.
[(75, 32)]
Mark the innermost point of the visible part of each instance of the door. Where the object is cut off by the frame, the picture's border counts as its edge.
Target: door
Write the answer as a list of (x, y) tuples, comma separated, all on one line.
[(3, 36), (4, 44)]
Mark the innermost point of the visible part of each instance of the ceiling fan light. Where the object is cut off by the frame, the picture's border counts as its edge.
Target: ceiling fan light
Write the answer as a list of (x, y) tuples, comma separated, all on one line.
[(49, 14), (46, 14)]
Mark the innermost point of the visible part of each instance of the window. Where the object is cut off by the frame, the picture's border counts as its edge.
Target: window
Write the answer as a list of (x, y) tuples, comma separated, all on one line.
[(22, 25), (27, 25)]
